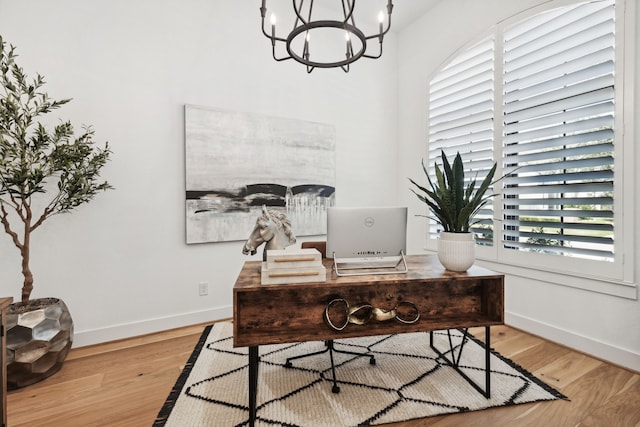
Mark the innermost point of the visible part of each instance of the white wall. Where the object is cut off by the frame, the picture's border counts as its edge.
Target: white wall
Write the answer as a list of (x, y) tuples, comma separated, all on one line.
[(121, 263), (602, 325)]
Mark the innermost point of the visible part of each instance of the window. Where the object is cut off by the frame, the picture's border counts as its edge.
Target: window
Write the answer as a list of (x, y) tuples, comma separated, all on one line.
[(558, 129), (461, 120), (539, 96)]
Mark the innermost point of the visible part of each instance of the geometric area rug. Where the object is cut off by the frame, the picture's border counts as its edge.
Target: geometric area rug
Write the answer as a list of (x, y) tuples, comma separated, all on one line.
[(407, 381)]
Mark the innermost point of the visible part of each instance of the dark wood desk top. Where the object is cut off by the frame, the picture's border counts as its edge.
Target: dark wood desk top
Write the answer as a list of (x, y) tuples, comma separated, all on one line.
[(421, 267), (271, 314)]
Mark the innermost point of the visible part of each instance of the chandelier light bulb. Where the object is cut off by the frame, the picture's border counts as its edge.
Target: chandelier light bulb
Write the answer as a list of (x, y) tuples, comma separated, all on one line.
[(380, 17), (273, 19)]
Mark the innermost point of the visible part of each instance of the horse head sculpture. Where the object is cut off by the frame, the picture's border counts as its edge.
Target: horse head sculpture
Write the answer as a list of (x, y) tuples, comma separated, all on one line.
[(272, 228)]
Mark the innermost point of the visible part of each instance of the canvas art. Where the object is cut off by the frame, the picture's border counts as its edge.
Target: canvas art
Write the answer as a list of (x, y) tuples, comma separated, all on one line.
[(236, 162)]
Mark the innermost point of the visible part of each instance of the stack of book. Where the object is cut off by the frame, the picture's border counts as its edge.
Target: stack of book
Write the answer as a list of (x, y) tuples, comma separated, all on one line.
[(293, 266)]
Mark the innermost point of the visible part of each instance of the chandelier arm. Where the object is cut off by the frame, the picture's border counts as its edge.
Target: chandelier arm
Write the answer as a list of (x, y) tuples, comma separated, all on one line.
[(271, 36), (364, 55), (273, 39), (389, 7), (374, 57), (310, 9), (263, 13), (384, 33), (375, 36), (284, 58), (349, 15), (298, 11)]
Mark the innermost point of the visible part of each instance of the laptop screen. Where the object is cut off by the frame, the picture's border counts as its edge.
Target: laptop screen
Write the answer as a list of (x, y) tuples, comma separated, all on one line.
[(366, 232)]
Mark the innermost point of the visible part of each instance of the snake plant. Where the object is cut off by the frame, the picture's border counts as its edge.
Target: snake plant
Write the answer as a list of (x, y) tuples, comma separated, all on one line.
[(453, 205)]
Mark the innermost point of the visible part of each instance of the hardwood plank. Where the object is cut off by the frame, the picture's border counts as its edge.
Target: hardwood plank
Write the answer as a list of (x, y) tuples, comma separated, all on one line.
[(125, 383), (125, 386), (511, 342), (623, 406), (136, 341), (587, 392), (566, 369), (539, 356)]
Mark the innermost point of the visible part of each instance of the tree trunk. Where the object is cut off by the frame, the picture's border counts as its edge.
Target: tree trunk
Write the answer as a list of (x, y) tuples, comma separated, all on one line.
[(27, 285)]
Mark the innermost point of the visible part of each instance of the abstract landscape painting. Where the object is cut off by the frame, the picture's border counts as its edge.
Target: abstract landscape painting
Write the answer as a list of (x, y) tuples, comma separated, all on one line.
[(236, 162)]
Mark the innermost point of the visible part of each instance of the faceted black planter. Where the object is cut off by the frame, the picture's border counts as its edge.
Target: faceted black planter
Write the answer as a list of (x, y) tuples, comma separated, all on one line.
[(39, 337)]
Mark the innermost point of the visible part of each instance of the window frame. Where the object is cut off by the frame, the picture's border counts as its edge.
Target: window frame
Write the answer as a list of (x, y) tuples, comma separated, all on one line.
[(610, 277)]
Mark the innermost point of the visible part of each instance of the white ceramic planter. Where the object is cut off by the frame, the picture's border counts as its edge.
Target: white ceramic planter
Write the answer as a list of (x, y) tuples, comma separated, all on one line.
[(456, 251)]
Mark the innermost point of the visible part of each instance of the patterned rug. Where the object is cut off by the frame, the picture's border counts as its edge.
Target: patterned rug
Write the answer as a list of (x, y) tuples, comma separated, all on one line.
[(407, 381)]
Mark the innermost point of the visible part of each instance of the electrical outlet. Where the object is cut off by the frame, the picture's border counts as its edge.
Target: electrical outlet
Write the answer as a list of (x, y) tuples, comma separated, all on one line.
[(203, 288)]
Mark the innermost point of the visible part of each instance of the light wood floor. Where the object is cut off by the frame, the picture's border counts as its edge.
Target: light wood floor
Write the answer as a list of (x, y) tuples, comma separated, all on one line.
[(125, 383)]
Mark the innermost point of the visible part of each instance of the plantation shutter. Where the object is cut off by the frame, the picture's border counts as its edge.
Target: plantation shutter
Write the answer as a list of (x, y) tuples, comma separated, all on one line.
[(558, 129), (461, 120)]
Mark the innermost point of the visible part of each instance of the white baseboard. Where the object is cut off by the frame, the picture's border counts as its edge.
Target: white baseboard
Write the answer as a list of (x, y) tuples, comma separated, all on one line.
[(128, 330), (616, 355)]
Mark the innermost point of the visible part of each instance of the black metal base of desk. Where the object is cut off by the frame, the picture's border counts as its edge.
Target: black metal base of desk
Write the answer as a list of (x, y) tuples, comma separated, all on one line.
[(454, 362)]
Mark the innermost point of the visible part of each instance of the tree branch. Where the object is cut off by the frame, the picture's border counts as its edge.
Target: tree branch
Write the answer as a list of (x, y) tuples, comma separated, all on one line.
[(45, 214), (4, 219)]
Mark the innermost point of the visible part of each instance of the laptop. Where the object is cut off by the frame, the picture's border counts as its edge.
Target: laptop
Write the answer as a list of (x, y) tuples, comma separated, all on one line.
[(367, 238)]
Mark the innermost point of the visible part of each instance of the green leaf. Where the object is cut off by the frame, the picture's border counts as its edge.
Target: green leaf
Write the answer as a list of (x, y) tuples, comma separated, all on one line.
[(453, 201), (62, 169)]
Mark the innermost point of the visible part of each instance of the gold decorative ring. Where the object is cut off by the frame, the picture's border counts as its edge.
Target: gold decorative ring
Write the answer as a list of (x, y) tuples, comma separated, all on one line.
[(407, 321), (363, 313), (382, 315), (346, 310), (360, 314)]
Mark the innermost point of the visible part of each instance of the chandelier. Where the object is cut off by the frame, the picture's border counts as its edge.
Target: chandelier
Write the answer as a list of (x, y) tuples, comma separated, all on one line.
[(342, 41)]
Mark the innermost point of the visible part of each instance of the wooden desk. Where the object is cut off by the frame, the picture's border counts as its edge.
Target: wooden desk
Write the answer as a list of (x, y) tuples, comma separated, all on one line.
[(4, 303), (273, 314)]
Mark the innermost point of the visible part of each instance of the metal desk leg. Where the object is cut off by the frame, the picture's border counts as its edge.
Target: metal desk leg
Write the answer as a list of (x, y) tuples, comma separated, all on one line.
[(253, 383), (487, 363), (454, 361)]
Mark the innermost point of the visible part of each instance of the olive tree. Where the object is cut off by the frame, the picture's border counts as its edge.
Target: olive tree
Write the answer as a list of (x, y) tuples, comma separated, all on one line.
[(42, 172)]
